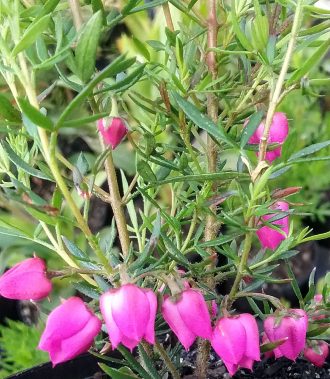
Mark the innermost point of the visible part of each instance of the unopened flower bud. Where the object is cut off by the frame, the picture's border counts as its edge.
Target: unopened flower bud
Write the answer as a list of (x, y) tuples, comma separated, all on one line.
[(113, 131)]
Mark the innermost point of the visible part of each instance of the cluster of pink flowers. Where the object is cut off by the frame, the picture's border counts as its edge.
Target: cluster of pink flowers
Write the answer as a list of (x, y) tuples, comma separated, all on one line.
[(129, 313)]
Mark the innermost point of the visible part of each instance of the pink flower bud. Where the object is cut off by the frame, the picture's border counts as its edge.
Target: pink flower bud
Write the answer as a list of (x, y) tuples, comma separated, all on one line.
[(278, 132), (26, 280), (236, 341), (114, 132), (317, 353), (293, 327), (129, 313), (271, 238), (70, 331), (318, 298), (188, 316)]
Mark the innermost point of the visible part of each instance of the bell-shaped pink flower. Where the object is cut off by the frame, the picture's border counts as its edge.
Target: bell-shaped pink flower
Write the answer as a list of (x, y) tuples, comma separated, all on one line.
[(278, 132), (293, 328), (317, 353), (129, 313), (70, 330), (113, 132), (26, 280), (271, 238), (188, 316), (236, 341)]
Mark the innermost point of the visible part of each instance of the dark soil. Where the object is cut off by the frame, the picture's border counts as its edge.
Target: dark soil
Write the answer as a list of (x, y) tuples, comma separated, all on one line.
[(266, 369)]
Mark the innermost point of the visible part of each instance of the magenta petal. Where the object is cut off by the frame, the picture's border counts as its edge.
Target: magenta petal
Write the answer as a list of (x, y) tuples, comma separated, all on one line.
[(246, 363), (77, 344), (252, 336), (269, 326), (173, 318), (229, 340), (113, 133), (129, 343), (130, 311), (26, 280), (271, 238), (273, 154), (295, 330), (317, 355), (149, 335), (64, 321), (115, 334), (279, 128), (70, 330), (195, 314), (285, 330), (232, 368)]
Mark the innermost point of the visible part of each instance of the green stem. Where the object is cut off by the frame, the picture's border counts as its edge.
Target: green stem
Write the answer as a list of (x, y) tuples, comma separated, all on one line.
[(116, 203), (242, 263), (279, 84), (274, 300), (167, 360), (212, 226)]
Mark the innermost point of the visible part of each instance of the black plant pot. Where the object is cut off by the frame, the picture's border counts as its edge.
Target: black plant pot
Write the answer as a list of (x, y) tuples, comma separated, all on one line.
[(85, 366)]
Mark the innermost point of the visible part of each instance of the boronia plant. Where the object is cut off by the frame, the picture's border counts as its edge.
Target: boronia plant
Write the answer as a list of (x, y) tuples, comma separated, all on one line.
[(182, 115)]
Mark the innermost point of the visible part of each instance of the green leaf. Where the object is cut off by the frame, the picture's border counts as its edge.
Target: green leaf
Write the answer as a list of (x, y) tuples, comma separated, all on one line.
[(127, 82), (309, 150), (311, 62), (174, 252), (22, 164), (202, 120), (48, 7), (134, 364), (219, 241), (116, 374), (149, 5), (8, 111), (74, 249), (35, 116), (251, 127), (148, 363), (312, 287), (87, 44), (142, 48), (241, 36), (31, 34), (51, 61), (224, 175), (294, 284), (272, 345), (317, 331), (116, 66), (145, 171), (87, 290)]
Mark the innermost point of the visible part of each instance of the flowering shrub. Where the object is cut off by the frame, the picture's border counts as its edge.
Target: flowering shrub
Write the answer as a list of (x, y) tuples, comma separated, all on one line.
[(192, 177)]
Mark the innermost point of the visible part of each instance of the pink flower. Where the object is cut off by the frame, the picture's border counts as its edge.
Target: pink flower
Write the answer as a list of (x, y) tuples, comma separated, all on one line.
[(317, 353), (114, 133), (271, 238), (70, 331), (318, 298), (278, 132), (129, 313), (26, 280), (293, 327), (236, 341), (188, 316)]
